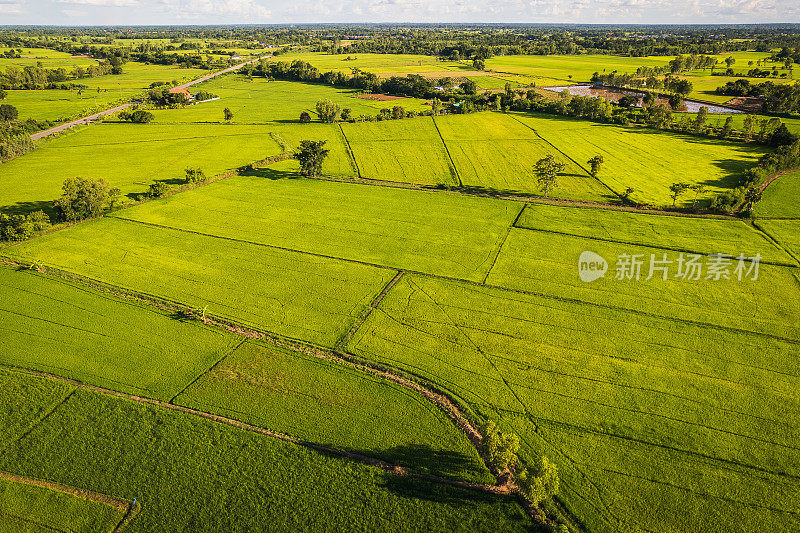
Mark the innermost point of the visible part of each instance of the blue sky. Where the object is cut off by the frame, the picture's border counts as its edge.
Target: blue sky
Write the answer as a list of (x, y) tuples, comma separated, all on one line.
[(130, 12)]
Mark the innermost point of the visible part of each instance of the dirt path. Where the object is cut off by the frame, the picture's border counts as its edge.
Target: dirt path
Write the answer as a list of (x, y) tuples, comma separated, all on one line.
[(776, 176), (95, 116)]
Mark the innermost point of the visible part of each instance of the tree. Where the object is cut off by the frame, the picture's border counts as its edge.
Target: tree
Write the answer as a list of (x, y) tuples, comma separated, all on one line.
[(729, 61), (547, 170), (157, 189), (700, 119), (751, 198), (21, 227), (478, 64), (677, 189), (195, 175), (311, 154), (727, 129), (328, 111), (595, 163), (228, 114), (675, 101), (626, 196), (540, 484), (3, 94), (649, 99), (398, 112), (469, 87), (305, 117), (436, 106), (346, 112), (698, 190), (81, 198), (748, 127), (8, 113), (499, 449), (141, 117)]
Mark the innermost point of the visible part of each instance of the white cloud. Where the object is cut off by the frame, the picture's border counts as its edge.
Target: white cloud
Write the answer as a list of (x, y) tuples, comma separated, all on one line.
[(244, 11), (10, 8), (101, 3)]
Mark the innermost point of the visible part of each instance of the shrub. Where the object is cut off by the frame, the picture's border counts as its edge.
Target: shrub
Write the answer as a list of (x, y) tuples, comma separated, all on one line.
[(157, 189), (21, 227), (305, 117)]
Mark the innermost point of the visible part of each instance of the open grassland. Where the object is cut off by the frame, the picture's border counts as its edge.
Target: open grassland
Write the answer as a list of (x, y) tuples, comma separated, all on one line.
[(191, 474), (128, 156), (432, 232), (30, 509), (288, 293), (24, 400), (494, 151), (259, 101), (649, 161), (323, 402), (54, 326), (786, 232), (781, 198), (409, 150), (655, 424), (547, 263), (696, 235)]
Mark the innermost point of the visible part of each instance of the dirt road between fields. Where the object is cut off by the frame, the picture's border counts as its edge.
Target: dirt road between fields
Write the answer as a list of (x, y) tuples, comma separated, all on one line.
[(92, 118)]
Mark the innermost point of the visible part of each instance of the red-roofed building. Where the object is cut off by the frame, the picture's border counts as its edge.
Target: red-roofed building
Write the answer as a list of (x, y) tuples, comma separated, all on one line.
[(186, 94)]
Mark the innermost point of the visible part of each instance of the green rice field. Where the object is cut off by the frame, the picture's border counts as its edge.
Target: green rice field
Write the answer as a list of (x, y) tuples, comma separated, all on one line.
[(449, 235), (66, 329), (259, 286), (177, 466), (334, 405), (781, 198), (29, 509)]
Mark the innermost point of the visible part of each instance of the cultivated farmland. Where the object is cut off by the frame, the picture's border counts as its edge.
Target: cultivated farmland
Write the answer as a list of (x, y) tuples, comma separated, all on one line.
[(781, 198), (436, 233), (29, 508), (176, 466), (327, 403), (604, 393), (260, 286)]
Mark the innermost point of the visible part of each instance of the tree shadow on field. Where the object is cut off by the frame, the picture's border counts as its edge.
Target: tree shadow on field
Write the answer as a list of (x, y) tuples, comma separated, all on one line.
[(420, 489), (270, 173), (23, 208)]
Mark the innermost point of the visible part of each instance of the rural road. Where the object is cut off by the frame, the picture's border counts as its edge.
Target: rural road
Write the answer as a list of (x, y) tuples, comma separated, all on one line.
[(92, 118)]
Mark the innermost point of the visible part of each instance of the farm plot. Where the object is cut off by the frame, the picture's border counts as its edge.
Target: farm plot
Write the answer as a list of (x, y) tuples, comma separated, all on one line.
[(781, 198), (25, 400), (696, 235), (786, 232), (450, 235), (54, 326), (320, 401), (494, 151), (56, 104), (291, 294), (128, 156), (570, 67), (385, 64), (409, 151), (259, 101), (28, 509), (338, 163), (649, 161), (548, 263), (639, 413), (177, 466)]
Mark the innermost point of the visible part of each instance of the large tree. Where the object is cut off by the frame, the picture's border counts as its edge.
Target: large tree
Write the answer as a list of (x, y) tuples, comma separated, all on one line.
[(547, 170), (595, 163), (81, 198), (311, 154), (328, 111)]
